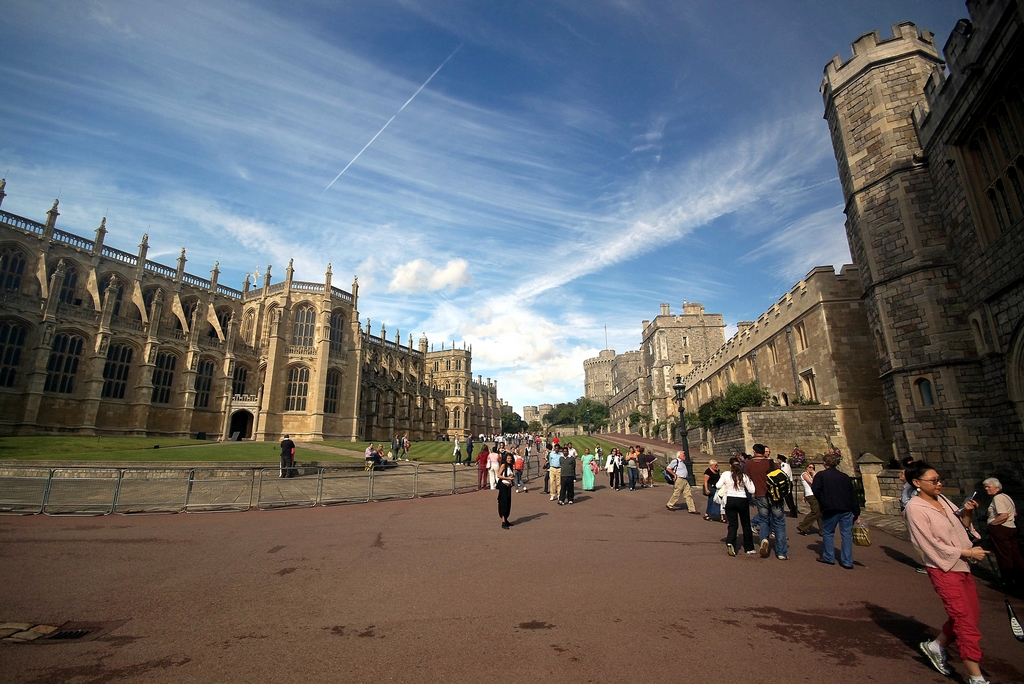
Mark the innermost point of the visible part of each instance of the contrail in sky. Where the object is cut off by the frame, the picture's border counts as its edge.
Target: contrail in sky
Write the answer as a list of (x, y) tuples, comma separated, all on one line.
[(390, 120)]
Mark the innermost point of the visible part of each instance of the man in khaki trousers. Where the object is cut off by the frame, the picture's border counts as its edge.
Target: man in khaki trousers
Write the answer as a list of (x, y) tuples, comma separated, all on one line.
[(682, 488), (555, 472)]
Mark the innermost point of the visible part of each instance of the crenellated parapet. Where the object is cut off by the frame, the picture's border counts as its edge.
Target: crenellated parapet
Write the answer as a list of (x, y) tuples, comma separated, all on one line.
[(870, 51)]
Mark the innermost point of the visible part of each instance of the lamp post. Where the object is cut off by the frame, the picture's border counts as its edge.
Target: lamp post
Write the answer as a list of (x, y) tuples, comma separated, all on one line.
[(680, 389)]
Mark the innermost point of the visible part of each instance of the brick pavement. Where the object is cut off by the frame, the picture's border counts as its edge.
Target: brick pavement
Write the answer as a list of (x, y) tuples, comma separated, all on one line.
[(613, 588)]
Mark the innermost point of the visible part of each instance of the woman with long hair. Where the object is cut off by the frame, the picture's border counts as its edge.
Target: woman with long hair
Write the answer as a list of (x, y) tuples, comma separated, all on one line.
[(506, 480), (940, 531), (633, 466), (481, 465), (737, 488)]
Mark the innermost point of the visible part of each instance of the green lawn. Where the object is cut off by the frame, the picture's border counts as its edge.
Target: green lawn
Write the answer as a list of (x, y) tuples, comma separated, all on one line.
[(141, 449), (428, 452)]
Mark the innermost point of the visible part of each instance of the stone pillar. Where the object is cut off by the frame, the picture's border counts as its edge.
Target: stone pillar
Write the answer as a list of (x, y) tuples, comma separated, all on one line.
[(870, 466)]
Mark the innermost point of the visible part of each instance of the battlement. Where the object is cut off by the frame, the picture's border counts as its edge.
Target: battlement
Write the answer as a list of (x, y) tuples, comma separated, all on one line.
[(870, 49)]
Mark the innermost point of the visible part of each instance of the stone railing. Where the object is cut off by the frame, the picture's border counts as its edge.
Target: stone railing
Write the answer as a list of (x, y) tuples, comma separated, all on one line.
[(127, 324), (118, 255), (169, 332), (341, 294), (72, 239), (20, 300), (195, 281), (229, 291), (276, 287), (307, 286), (70, 312), (210, 342), (160, 269), (23, 223), (296, 350)]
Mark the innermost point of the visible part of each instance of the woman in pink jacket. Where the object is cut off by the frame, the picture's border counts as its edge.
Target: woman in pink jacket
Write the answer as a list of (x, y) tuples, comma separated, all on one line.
[(939, 529)]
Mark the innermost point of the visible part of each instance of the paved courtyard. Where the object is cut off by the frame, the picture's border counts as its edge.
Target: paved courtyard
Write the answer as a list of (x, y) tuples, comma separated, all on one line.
[(614, 588)]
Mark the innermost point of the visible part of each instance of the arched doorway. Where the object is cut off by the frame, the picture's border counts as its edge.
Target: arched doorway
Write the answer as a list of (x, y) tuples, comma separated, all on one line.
[(241, 422)]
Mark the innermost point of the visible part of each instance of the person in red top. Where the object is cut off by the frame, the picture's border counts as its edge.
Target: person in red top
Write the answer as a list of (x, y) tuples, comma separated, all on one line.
[(520, 462), (555, 440), (481, 466)]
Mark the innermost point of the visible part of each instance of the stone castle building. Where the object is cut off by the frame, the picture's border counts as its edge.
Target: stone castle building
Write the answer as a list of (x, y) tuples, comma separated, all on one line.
[(931, 159), (97, 341), (642, 380), (812, 348)]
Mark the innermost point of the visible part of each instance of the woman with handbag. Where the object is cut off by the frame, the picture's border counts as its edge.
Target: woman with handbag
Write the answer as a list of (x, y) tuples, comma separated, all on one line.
[(711, 476), (943, 535), (1002, 530), (506, 479)]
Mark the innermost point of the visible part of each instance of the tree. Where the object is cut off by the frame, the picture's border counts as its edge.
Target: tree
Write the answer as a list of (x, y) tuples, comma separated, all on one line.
[(511, 422), (637, 417), (591, 415), (534, 427), (724, 409)]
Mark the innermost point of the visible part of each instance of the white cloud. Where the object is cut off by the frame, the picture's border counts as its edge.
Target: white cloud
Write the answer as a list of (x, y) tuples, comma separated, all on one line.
[(420, 274), (818, 239)]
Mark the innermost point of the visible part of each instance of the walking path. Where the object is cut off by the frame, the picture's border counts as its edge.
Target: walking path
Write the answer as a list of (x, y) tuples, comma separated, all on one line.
[(433, 590)]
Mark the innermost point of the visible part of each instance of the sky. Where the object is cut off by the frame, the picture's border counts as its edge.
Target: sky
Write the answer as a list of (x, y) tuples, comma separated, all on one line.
[(571, 165)]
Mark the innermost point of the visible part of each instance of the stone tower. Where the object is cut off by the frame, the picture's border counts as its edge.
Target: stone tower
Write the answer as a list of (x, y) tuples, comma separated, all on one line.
[(897, 236)]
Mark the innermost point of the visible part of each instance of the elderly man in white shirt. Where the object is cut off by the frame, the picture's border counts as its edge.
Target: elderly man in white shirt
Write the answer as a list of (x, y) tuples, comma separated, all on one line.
[(677, 466)]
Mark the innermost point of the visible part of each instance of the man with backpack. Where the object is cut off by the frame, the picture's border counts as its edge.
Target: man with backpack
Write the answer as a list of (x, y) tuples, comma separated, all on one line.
[(777, 487), (677, 467)]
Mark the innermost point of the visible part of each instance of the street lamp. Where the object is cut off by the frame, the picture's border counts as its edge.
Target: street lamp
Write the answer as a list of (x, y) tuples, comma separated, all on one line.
[(680, 389)]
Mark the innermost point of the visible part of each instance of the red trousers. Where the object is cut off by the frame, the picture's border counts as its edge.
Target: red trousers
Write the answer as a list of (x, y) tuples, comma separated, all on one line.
[(960, 599)]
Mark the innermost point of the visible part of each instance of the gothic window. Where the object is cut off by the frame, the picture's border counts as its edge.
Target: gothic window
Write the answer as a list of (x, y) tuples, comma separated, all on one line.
[(458, 389), (331, 391), (115, 371), (188, 307), (305, 323), (223, 319), (12, 339), (810, 391), (997, 196), (118, 294), (298, 388), (436, 365), (68, 286), (248, 325), (337, 326), (147, 302), (458, 364), (163, 377), (204, 380), (773, 353), (924, 392), (12, 266), (238, 379), (447, 364), (62, 367), (457, 415), (447, 389), (801, 336)]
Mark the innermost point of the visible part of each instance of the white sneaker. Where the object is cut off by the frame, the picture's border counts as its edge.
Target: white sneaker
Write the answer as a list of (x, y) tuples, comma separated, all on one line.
[(551, 499)]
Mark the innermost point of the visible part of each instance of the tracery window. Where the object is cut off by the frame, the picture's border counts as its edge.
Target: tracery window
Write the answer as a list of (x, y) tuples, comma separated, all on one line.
[(68, 286), (62, 367), (12, 267), (337, 327), (204, 380), (298, 388), (238, 379), (118, 294), (12, 339), (115, 371), (163, 377), (248, 325), (305, 323), (331, 391)]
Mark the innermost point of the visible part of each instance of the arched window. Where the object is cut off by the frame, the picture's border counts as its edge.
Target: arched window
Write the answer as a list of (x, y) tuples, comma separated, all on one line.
[(458, 389), (331, 391), (118, 294), (188, 307), (163, 377), (447, 364), (147, 302), (457, 416), (223, 319), (115, 371), (337, 328), (238, 379), (62, 367), (248, 325), (305, 323), (924, 392), (298, 388), (435, 366), (458, 364), (12, 339), (68, 286), (447, 389), (204, 380), (12, 266)]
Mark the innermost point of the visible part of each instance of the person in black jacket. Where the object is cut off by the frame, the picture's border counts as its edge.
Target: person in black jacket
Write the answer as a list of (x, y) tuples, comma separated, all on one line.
[(287, 457), (568, 485), (834, 491)]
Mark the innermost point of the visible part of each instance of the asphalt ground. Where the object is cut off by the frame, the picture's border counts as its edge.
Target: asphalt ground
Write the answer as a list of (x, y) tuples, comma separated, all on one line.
[(613, 588)]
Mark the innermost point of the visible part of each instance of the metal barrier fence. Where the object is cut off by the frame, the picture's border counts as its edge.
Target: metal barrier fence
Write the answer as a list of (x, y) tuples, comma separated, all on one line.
[(137, 490)]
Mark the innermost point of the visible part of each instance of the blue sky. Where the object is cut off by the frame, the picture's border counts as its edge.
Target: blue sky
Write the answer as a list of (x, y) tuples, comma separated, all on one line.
[(573, 165)]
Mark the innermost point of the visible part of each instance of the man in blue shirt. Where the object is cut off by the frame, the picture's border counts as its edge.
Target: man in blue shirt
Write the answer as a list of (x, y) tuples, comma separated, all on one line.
[(555, 472)]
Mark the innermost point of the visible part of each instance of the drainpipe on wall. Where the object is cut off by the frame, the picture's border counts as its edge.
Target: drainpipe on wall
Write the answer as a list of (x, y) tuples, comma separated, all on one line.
[(792, 360)]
